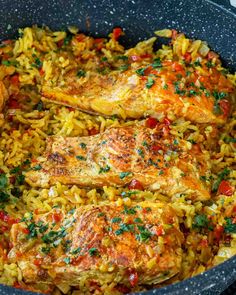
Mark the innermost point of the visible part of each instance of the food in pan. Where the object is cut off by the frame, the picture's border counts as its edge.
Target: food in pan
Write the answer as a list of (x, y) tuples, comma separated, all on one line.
[(117, 165)]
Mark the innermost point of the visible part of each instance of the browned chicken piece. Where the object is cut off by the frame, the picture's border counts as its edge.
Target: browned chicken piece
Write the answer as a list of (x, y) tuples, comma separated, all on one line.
[(121, 156), (151, 92), (139, 244)]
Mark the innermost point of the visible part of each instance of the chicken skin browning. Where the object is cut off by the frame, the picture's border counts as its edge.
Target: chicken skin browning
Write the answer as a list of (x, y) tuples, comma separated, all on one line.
[(139, 92), (120, 156), (99, 244)]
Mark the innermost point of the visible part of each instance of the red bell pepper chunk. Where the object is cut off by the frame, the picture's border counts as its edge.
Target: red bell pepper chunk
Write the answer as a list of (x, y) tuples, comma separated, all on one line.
[(151, 122), (133, 278), (225, 107), (225, 188), (117, 32), (135, 184)]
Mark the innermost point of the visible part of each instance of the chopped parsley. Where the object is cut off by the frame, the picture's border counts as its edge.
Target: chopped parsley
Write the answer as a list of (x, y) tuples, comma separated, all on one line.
[(45, 250), (122, 57), (125, 227), (4, 197), (201, 221), (81, 73), (219, 95), (165, 86), (229, 139), (20, 179), (37, 167), (104, 169), (138, 220), (221, 176), (150, 83), (39, 106), (129, 211), (67, 260), (140, 152), (37, 63), (82, 158), (144, 234), (160, 172), (141, 71), (230, 227), (100, 214), (83, 145), (123, 68), (175, 142), (67, 39), (209, 64), (157, 63), (93, 252), (124, 174), (3, 181), (116, 220)]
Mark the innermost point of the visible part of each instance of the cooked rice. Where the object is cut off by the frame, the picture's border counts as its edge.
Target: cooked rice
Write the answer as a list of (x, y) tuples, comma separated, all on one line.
[(24, 130)]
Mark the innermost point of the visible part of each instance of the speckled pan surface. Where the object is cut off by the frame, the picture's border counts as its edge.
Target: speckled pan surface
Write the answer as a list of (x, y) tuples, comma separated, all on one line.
[(214, 22)]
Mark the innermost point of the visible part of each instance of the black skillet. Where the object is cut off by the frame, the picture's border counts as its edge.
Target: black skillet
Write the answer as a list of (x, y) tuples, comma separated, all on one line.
[(214, 22)]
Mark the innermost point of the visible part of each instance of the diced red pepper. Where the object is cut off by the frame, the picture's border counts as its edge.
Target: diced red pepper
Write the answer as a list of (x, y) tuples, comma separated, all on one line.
[(225, 188), (80, 37), (155, 147), (57, 217), (4, 228), (177, 67), (212, 54), (93, 131), (133, 278), (13, 104), (151, 122), (7, 41), (159, 230), (41, 72), (135, 184), (60, 43), (38, 261), (117, 32), (15, 80), (218, 231), (204, 243), (25, 231), (187, 57), (225, 107), (17, 285), (146, 55)]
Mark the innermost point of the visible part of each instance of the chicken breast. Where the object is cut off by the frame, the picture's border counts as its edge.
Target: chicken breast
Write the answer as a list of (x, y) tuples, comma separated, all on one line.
[(122, 156), (140, 244), (136, 93)]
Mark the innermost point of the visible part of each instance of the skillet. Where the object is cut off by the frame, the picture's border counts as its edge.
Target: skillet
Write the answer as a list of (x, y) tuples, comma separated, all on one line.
[(214, 22)]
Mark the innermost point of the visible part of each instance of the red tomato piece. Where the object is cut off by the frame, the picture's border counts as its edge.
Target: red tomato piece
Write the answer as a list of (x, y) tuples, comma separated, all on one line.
[(225, 188), (41, 72), (13, 104), (25, 231), (117, 32), (4, 228), (38, 261), (225, 107), (133, 278), (212, 55), (187, 57), (135, 184), (218, 231), (177, 67), (93, 131), (57, 217), (204, 243), (151, 122), (15, 80), (159, 230), (146, 55), (155, 147), (60, 43)]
